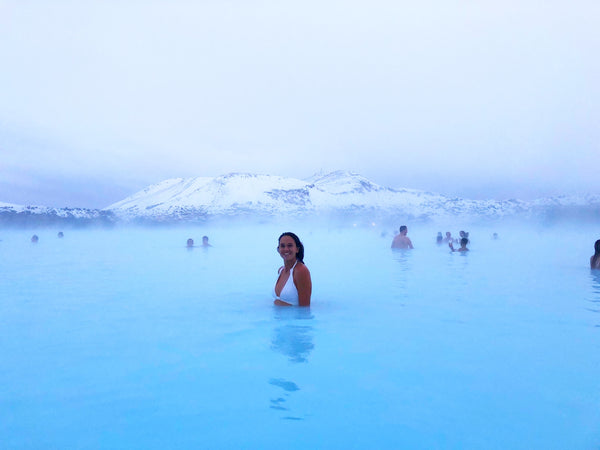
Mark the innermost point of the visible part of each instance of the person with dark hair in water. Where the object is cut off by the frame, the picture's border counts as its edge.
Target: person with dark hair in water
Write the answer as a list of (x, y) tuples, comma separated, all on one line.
[(35, 239), (190, 243), (401, 240), (595, 259), (463, 245), (293, 286), (439, 239), (205, 242)]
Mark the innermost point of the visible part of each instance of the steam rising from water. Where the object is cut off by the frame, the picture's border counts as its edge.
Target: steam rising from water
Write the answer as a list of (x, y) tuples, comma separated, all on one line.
[(128, 330)]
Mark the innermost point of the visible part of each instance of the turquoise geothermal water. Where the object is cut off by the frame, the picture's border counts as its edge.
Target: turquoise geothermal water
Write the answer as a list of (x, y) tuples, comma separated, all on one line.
[(126, 339)]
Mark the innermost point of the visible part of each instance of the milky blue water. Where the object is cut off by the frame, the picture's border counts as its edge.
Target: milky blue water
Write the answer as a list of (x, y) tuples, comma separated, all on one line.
[(126, 339)]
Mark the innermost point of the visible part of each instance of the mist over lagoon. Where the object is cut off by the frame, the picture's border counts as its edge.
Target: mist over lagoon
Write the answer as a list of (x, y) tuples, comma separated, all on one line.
[(124, 337)]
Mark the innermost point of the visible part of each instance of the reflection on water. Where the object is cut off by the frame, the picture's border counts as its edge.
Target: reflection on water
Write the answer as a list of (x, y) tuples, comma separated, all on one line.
[(288, 386), (292, 337), (595, 298), (403, 256), (595, 276)]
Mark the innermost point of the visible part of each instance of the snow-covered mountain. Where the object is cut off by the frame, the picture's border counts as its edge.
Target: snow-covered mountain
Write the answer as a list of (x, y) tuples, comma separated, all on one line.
[(18, 215), (341, 194), (244, 194)]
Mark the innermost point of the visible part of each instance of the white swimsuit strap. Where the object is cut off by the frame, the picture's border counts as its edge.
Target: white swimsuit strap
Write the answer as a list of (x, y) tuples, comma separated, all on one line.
[(283, 267)]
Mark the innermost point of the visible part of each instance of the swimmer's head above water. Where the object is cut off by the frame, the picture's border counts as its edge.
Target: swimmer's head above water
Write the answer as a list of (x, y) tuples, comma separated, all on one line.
[(299, 245)]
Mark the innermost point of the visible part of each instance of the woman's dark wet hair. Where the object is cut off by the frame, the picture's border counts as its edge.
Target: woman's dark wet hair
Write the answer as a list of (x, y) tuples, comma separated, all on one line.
[(300, 254), (464, 241)]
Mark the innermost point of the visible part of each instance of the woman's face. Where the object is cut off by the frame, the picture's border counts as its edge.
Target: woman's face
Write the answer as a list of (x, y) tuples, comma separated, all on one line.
[(287, 248)]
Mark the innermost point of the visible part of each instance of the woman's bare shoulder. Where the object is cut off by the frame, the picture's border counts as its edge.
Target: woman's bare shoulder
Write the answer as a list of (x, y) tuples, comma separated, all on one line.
[(301, 269)]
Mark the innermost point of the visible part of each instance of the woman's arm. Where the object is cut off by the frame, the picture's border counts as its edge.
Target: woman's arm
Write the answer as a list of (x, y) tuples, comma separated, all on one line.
[(279, 302), (303, 284)]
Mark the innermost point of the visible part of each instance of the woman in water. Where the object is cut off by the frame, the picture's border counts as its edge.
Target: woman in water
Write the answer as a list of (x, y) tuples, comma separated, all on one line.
[(595, 260), (293, 286)]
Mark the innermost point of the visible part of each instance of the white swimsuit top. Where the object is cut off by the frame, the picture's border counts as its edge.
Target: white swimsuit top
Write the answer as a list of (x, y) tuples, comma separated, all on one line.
[(289, 293)]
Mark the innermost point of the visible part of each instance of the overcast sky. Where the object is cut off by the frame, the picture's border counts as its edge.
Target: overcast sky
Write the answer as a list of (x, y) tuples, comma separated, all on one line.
[(481, 99)]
